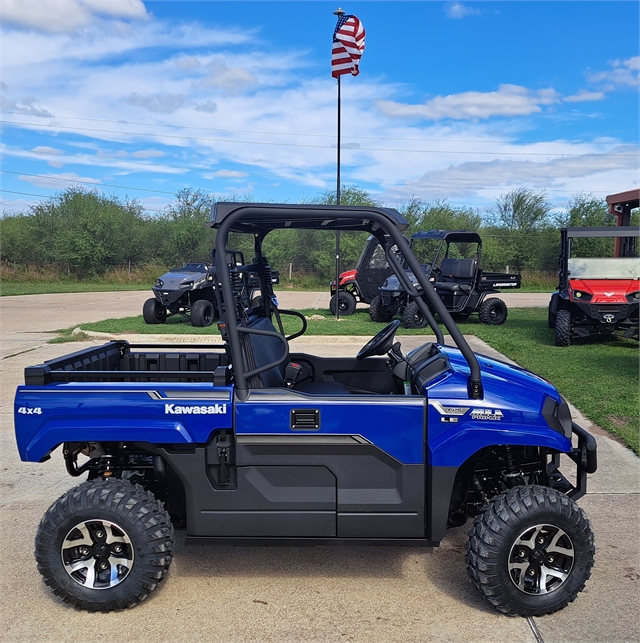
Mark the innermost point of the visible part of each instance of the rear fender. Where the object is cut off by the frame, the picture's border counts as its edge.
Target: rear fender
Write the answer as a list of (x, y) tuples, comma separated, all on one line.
[(158, 413)]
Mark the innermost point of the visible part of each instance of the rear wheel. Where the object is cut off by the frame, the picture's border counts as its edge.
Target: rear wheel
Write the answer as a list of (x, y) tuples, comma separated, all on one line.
[(346, 303), (563, 328), (530, 551), (493, 311), (104, 545), (154, 312), (378, 311), (413, 317), (202, 313)]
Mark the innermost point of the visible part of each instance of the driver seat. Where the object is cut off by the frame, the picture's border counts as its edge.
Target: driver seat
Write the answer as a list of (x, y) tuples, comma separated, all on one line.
[(261, 350)]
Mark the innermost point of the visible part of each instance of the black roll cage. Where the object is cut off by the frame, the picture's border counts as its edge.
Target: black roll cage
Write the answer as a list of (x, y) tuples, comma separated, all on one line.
[(385, 223)]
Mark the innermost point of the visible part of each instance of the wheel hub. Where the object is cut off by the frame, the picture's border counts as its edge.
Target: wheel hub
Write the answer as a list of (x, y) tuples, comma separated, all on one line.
[(97, 554), (541, 559)]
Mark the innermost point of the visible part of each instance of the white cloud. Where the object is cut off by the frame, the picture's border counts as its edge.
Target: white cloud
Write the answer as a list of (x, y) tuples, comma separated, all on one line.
[(158, 103), (187, 62), (207, 106), (623, 73), (45, 149), (66, 16), (584, 95), (23, 106), (58, 181), (147, 154), (231, 79), (457, 10), (228, 174), (508, 100), (50, 151), (472, 178)]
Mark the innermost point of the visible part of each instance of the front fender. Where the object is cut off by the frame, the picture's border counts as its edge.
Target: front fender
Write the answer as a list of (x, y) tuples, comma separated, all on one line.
[(454, 447)]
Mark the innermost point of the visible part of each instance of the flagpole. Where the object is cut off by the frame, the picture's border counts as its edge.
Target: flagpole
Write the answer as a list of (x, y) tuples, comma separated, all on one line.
[(339, 12)]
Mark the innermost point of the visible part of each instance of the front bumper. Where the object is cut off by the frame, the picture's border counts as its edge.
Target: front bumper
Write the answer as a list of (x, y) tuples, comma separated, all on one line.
[(170, 297), (585, 456)]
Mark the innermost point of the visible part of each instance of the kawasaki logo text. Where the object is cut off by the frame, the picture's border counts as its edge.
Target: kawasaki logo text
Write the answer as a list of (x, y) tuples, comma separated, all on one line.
[(212, 409)]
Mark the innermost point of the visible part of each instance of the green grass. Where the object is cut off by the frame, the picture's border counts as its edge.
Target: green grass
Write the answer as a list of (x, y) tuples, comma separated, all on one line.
[(8, 288), (599, 375)]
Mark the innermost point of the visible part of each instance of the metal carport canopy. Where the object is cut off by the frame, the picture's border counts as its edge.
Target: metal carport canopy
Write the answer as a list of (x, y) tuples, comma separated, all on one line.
[(603, 231)]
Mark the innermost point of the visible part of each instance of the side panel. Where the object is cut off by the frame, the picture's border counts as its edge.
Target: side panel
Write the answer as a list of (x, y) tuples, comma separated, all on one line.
[(155, 412), (373, 446)]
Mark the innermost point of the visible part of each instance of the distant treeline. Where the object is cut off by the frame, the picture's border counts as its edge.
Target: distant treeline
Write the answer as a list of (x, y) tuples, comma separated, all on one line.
[(90, 232)]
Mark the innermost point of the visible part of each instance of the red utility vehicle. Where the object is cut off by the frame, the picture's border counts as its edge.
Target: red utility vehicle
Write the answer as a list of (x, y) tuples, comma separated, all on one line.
[(596, 295)]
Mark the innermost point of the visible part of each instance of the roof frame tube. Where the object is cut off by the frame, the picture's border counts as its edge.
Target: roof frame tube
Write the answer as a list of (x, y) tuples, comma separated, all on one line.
[(408, 286), (474, 387)]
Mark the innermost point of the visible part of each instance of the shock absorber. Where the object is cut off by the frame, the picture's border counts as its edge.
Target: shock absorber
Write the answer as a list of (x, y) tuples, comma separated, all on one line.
[(511, 475)]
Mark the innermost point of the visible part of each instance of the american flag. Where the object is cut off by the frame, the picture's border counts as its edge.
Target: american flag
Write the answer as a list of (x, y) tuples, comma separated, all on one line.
[(348, 45)]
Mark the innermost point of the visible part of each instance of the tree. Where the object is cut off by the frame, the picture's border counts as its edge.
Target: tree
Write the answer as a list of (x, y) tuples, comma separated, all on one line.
[(522, 209), (187, 217), (587, 210), (439, 215), (522, 229)]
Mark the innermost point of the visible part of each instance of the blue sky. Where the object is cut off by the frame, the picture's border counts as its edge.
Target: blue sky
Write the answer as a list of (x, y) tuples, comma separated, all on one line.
[(455, 100)]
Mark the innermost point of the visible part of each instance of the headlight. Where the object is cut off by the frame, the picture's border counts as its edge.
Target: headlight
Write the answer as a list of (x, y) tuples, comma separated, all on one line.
[(580, 295), (187, 284), (159, 283), (633, 297), (557, 415)]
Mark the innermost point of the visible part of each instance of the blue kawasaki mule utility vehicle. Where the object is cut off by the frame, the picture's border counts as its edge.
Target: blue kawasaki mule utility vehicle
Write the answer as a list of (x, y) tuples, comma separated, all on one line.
[(249, 442)]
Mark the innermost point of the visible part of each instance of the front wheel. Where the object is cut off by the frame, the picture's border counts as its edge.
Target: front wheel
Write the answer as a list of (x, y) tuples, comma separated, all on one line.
[(493, 311), (104, 545), (378, 311), (530, 551), (154, 312), (562, 328), (413, 317), (346, 303)]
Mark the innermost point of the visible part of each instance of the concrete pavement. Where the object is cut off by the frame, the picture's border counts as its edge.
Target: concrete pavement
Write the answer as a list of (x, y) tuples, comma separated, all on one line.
[(291, 594)]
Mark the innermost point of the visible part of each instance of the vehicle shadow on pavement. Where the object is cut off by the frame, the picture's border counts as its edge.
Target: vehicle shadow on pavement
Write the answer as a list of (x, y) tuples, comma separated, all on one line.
[(440, 569)]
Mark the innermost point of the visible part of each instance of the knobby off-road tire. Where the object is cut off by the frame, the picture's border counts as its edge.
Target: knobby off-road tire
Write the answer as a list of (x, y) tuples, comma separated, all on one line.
[(413, 317), (346, 303), (562, 336), (154, 312), (202, 313), (104, 545), (378, 311), (493, 311), (530, 551)]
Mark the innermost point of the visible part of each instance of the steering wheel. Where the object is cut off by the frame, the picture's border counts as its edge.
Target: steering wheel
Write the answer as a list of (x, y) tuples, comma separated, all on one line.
[(381, 343)]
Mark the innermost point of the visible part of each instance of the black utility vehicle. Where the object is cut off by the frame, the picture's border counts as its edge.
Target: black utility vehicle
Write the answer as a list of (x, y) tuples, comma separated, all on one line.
[(597, 295), (191, 291), (361, 284), (452, 264)]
